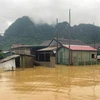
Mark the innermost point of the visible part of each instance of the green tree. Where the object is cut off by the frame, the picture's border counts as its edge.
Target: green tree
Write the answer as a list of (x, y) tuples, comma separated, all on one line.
[(1, 55)]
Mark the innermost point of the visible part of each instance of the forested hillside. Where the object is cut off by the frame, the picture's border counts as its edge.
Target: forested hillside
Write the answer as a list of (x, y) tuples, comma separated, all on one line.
[(25, 31)]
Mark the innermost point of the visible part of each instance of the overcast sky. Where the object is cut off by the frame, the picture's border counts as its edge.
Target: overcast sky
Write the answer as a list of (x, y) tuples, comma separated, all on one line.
[(82, 11)]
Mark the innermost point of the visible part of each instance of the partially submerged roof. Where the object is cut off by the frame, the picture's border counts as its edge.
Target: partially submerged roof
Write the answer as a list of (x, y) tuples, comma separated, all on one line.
[(9, 58), (48, 49), (80, 48)]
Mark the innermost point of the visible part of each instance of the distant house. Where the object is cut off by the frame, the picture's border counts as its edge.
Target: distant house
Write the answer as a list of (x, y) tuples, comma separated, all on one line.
[(79, 55), (9, 63)]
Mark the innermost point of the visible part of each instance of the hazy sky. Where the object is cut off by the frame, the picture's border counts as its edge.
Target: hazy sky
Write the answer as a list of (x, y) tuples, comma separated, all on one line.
[(82, 11)]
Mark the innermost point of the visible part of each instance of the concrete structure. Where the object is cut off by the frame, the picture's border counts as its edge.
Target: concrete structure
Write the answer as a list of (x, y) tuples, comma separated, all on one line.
[(79, 55), (27, 54), (46, 56), (25, 49), (26, 61)]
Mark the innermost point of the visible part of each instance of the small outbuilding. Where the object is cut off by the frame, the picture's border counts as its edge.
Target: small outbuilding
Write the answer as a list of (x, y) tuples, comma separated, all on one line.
[(79, 55), (9, 63)]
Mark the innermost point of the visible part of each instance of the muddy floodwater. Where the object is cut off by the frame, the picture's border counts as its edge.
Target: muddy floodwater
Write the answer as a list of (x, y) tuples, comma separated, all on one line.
[(60, 83)]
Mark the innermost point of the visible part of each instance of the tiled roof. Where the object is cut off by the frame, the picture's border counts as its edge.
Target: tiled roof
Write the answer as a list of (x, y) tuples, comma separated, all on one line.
[(80, 47)]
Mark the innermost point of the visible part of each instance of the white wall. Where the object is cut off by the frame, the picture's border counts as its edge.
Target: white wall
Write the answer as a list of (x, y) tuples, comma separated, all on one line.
[(8, 65)]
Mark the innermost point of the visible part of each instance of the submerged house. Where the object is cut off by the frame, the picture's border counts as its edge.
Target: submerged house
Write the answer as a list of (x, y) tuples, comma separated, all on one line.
[(49, 56), (27, 54), (79, 55), (10, 62), (61, 41), (57, 51)]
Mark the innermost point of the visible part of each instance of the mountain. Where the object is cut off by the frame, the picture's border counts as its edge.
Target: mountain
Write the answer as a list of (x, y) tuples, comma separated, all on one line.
[(25, 31)]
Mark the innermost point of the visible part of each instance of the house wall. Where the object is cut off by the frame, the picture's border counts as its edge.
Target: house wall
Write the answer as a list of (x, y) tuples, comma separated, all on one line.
[(8, 65), (50, 63), (22, 51), (63, 56), (77, 57), (84, 57), (26, 61)]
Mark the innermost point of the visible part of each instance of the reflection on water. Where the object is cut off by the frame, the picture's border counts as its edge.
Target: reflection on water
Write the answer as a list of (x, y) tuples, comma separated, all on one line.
[(60, 83)]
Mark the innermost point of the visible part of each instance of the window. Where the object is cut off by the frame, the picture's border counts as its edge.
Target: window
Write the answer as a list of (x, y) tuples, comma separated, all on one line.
[(44, 57), (93, 56)]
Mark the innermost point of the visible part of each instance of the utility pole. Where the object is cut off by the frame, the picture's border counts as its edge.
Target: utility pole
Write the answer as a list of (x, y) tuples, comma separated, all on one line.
[(57, 41), (69, 35), (94, 37)]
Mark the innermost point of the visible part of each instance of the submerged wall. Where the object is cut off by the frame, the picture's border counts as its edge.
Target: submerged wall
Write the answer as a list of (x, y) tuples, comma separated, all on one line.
[(26, 61), (8, 65), (76, 57), (51, 63)]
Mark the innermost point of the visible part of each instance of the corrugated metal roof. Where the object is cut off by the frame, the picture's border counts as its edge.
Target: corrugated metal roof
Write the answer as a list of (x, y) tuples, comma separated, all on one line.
[(48, 49), (80, 47), (9, 58)]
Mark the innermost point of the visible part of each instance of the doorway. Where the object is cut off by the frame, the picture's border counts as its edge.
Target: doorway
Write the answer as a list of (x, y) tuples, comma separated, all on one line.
[(17, 62)]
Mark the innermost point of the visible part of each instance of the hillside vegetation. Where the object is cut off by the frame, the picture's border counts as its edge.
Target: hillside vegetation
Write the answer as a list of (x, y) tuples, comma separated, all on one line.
[(25, 31)]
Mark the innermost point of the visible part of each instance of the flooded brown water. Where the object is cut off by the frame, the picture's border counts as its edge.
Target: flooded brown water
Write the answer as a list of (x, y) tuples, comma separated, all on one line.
[(60, 83)]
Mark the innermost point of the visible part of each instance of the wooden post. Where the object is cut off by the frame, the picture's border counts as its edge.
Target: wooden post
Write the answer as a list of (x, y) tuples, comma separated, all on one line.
[(57, 43), (69, 36)]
